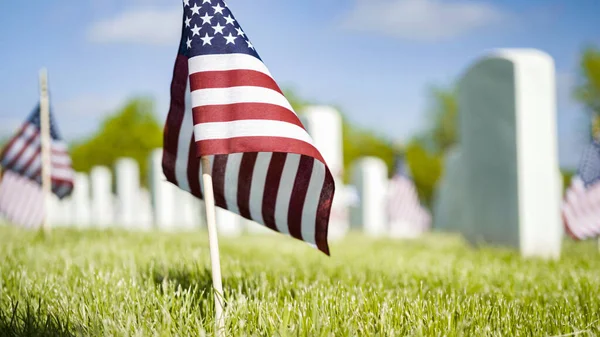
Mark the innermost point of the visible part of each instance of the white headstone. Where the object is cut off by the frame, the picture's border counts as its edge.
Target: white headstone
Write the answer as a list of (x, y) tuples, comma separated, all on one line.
[(188, 211), (81, 201), (370, 176), (162, 192), (127, 178), (448, 204), (507, 106), (102, 198), (324, 124), (228, 223), (144, 210)]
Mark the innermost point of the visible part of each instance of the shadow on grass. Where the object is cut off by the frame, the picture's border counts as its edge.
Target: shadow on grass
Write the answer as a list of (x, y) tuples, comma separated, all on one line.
[(23, 319)]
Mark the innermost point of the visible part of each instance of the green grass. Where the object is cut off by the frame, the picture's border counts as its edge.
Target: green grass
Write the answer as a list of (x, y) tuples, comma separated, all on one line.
[(155, 284)]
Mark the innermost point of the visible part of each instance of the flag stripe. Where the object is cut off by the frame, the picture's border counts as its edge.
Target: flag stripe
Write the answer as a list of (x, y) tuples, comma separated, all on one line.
[(284, 193), (225, 62), (298, 196), (271, 188), (257, 185), (246, 173), (232, 78), (249, 128), (224, 96), (218, 179), (242, 111)]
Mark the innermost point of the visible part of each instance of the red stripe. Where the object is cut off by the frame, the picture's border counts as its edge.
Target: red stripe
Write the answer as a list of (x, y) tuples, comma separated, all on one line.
[(245, 183), (232, 78), (28, 163), (323, 212), (257, 144), (298, 196), (28, 142), (193, 169), (174, 118), (239, 111), (12, 142), (218, 178), (271, 188)]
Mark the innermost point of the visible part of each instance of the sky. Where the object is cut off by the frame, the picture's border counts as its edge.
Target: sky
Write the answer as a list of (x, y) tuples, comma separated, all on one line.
[(375, 59)]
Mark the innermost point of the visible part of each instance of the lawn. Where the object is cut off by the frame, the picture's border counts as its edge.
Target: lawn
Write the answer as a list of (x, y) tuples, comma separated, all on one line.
[(116, 283)]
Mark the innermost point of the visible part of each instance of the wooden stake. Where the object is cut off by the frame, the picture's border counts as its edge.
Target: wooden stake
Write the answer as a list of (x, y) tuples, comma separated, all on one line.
[(45, 144), (209, 200)]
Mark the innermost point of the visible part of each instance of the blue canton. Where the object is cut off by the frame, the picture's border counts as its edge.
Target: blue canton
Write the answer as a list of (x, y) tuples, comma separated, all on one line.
[(209, 27), (34, 119), (589, 167)]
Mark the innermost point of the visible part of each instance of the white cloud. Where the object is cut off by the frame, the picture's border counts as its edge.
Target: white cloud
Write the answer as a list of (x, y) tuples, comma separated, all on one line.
[(423, 20), (151, 26)]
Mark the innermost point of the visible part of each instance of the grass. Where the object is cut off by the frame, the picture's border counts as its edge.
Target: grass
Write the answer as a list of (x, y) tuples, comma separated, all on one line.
[(155, 284)]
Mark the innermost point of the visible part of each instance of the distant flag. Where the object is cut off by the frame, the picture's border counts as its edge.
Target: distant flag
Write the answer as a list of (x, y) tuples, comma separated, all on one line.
[(265, 166), (21, 197), (581, 207), (404, 208)]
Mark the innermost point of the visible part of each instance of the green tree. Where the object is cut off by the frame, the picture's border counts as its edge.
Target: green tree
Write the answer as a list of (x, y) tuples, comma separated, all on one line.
[(588, 88), (132, 132)]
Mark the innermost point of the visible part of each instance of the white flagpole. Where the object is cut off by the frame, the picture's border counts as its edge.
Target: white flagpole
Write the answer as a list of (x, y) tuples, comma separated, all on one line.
[(209, 200), (45, 142)]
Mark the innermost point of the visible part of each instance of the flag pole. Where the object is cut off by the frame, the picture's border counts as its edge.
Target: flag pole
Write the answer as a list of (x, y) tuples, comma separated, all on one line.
[(45, 144), (209, 200)]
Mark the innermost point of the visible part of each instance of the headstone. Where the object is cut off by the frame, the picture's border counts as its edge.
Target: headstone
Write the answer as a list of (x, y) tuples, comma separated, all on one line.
[(188, 211), (507, 106), (449, 196), (324, 125), (144, 210), (102, 197), (127, 178), (81, 201), (228, 223), (370, 176), (163, 194)]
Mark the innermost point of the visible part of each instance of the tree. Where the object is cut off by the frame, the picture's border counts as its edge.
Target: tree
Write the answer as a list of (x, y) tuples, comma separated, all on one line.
[(132, 132), (588, 88)]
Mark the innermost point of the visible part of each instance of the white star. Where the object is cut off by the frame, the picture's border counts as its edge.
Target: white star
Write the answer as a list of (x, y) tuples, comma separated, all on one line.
[(240, 32), (186, 2), (189, 43), (229, 20), (218, 9), (249, 44), (196, 30), (218, 28), (230, 39), (187, 21), (195, 9), (206, 18), (205, 2), (206, 39)]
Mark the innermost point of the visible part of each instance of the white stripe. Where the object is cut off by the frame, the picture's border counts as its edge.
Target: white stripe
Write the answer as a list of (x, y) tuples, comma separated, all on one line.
[(232, 171), (31, 150), (59, 145), (183, 146), (34, 167), (284, 193), (250, 128), (242, 94), (62, 173), (60, 159), (311, 202), (20, 142), (224, 62), (257, 188)]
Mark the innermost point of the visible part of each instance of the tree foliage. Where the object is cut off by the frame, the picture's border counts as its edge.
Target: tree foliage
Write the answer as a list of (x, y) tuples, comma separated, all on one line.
[(588, 89), (132, 132)]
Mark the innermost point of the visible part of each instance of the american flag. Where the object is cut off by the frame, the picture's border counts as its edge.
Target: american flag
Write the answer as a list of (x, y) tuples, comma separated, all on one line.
[(20, 190), (581, 207), (404, 208), (264, 164)]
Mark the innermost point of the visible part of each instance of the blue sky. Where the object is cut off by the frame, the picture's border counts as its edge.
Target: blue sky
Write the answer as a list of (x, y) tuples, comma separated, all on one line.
[(375, 59)]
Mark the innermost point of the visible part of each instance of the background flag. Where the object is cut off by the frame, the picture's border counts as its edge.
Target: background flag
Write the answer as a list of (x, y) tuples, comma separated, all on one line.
[(581, 207), (264, 164), (20, 191), (404, 208)]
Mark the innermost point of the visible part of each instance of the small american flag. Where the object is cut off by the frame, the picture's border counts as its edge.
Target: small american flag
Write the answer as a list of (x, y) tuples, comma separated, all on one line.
[(581, 207), (264, 164), (20, 191), (404, 208)]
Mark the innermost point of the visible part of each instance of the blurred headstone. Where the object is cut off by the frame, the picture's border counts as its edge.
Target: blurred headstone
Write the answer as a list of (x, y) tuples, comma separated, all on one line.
[(370, 177), (228, 223), (102, 198), (507, 106), (449, 197), (144, 212), (127, 178), (162, 193), (324, 125), (81, 201), (188, 211)]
